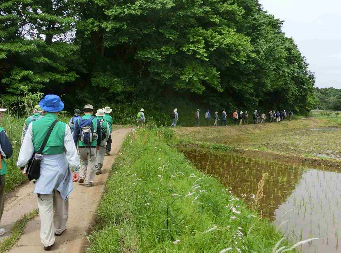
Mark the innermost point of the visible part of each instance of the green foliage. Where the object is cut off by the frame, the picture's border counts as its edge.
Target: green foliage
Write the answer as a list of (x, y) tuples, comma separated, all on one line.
[(13, 127), (328, 98), (215, 53), (155, 201)]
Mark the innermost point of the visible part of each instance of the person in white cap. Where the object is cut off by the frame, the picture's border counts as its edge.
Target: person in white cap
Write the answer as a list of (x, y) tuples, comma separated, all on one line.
[(105, 130), (110, 121), (141, 118), (6, 152), (175, 117), (87, 136), (59, 154)]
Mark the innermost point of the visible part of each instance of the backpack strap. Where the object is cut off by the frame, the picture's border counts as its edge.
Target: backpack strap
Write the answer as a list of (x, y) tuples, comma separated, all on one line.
[(47, 137)]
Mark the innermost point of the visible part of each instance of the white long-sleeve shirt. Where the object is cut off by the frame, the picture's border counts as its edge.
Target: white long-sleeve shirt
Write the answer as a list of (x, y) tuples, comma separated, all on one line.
[(27, 149), (54, 170)]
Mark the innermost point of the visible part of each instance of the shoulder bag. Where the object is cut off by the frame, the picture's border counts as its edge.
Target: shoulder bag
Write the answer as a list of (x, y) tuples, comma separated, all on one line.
[(33, 166)]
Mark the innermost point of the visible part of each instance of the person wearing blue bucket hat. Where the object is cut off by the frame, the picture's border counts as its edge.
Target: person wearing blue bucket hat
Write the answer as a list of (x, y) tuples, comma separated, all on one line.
[(54, 184)]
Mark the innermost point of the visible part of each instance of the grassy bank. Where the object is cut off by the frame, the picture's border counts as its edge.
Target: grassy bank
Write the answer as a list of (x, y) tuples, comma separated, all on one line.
[(156, 201), (13, 127)]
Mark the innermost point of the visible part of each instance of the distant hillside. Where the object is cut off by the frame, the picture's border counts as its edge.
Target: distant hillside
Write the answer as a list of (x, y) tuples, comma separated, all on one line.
[(328, 98)]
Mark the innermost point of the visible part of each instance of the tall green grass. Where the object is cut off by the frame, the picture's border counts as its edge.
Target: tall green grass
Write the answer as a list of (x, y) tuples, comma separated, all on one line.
[(13, 128), (156, 201)]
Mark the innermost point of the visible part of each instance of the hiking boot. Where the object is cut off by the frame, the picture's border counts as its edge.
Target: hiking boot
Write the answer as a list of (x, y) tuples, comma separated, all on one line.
[(98, 172), (107, 153), (2, 231), (81, 180), (89, 184), (48, 248), (59, 234)]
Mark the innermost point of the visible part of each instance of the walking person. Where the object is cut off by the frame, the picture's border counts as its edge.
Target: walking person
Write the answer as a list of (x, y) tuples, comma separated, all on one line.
[(246, 117), (87, 137), (175, 116), (110, 121), (208, 117), (141, 119), (6, 152), (255, 117), (241, 115), (105, 132), (224, 117), (197, 118), (235, 117), (55, 182), (278, 116), (291, 114), (74, 119), (216, 118), (263, 117), (270, 116), (36, 115)]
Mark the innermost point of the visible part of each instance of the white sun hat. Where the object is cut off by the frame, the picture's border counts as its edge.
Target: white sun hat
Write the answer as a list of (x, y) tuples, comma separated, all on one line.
[(100, 112), (142, 110), (107, 110), (3, 109)]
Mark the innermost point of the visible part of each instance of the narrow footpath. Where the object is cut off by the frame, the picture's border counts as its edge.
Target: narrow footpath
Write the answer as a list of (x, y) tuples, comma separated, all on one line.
[(83, 204)]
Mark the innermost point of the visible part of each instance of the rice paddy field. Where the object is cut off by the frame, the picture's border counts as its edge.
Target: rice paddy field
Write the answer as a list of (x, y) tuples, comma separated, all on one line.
[(289, 172)]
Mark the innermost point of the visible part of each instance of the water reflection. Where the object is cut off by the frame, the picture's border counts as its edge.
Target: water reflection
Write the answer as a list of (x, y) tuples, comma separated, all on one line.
[(303, 203), (313, 210)]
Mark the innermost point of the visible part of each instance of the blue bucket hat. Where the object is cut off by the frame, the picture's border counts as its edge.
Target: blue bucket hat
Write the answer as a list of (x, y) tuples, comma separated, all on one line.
[(51, 103)]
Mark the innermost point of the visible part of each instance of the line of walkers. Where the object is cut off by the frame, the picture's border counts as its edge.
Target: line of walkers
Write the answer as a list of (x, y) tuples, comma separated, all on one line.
[(238, 117), (51, 150)]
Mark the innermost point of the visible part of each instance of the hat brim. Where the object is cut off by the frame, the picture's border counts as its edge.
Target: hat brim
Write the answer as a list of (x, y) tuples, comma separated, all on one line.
[(3, 110), (55, 109), (108, 111)]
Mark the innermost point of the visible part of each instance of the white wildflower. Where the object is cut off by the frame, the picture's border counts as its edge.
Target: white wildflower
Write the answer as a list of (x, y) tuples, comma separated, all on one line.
[(233, 217), (176, 241), (225, 250), (211, 229)]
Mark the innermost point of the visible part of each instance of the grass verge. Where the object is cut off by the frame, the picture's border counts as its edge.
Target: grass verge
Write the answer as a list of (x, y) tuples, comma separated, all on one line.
[(17, 231), (156, 201)]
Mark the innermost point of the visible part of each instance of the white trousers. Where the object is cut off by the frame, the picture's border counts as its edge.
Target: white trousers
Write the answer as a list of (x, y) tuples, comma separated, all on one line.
[(53, 212), (100, 155), (87, 157)]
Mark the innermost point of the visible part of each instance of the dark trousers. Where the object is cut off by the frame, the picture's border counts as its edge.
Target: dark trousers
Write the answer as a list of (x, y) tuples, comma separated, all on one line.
[(197, 122), (224, 122), (108, 148), (2, 193)]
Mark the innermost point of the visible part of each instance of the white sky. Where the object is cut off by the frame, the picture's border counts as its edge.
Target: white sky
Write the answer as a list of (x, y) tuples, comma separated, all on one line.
[(315, 25)]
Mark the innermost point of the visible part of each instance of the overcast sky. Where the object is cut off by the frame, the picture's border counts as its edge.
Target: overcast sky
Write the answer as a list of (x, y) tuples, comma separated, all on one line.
[(315, 25)]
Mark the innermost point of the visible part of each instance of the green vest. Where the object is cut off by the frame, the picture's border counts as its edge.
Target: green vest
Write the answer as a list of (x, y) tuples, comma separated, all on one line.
[(94, 124), (110, 121), (55, 143), (3, 170)]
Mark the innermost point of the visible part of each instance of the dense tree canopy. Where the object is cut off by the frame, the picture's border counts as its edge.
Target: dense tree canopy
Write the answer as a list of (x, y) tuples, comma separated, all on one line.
[(216, 53), (328, 98)]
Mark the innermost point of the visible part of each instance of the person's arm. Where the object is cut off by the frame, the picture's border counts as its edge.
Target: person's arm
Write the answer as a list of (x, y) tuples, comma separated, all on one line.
[(99, 132), (70, 149), (6, 149), (27, 148), (71, 153), (76, 132)]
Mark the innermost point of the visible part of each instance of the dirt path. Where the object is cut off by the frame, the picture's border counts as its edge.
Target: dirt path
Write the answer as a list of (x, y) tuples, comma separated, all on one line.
[(83, 204)]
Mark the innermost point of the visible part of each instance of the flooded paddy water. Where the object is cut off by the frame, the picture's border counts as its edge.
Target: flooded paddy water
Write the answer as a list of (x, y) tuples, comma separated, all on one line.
[(303, 203)]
